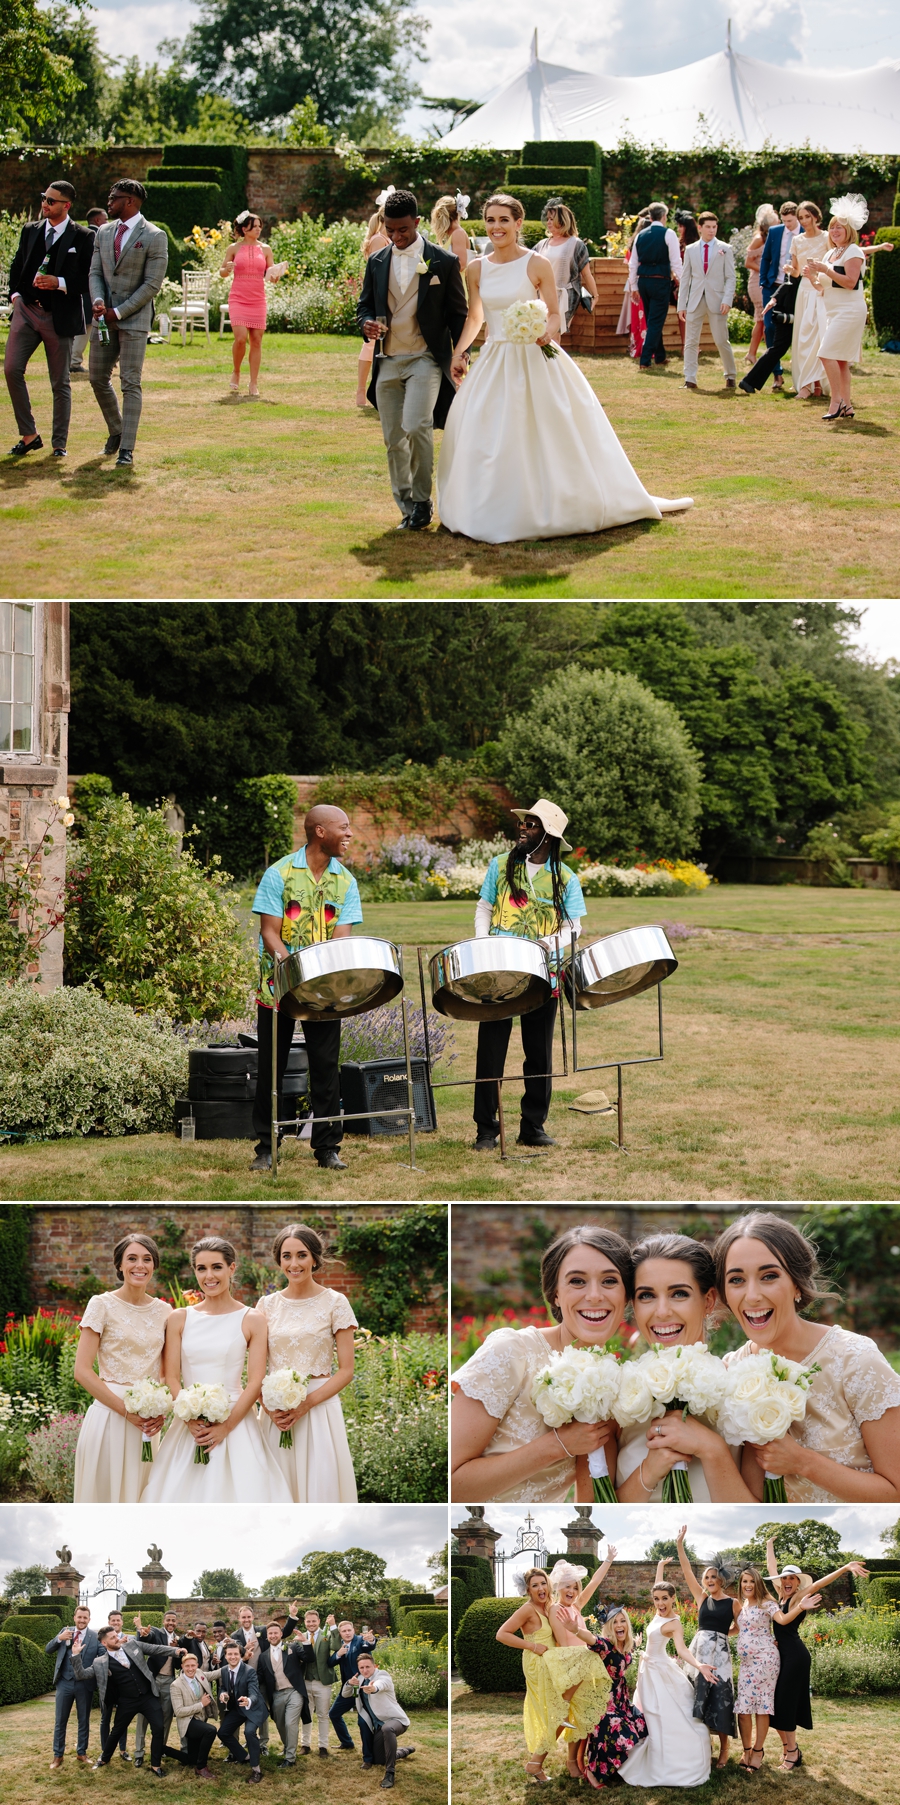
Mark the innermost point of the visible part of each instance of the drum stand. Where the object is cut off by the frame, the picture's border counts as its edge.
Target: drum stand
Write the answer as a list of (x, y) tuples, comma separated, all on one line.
[(602, 1065), (361, 1115)]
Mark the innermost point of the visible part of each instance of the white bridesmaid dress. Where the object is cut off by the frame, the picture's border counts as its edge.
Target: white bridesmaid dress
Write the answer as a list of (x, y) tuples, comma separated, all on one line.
[(528, 452), (241, 1469), (318, 1467), (677, 1749), (108, 1464)]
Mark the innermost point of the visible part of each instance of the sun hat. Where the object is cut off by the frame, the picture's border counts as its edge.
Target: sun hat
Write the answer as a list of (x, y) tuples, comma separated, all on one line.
[(592, 1103), (551, 818)]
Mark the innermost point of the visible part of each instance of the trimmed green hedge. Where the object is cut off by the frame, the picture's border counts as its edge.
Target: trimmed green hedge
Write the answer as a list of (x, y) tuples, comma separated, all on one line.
[(883, 1588), (25, 1671), (486, 1664), (474, 1568), (461, 1597), (15, 1279), (886, 281), (194, 172), (37, 1629), (565, 151), (230, 163), (184, 205), (147, 1601), (430, 1623), (535, 198), (150, 1619)]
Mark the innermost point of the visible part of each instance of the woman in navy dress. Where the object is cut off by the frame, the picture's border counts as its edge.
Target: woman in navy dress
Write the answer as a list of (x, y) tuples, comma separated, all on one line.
[(622, 1727)]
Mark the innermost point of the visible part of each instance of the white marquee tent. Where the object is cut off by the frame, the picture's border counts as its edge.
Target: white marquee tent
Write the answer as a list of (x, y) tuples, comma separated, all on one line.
[(723, 98)]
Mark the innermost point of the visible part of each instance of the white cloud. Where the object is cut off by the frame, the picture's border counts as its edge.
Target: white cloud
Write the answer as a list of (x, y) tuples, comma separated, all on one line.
[(255, 1541), (879, 632)]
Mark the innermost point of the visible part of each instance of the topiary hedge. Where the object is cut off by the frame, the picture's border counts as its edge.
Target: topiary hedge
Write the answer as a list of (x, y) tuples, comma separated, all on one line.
[(883, 1588), (477, 1573), (25, 1671), (15, 1259), (885, 290), (198, 172), (37, 1629), (230, 162), (149, 1619), (460, 1599), (184, 205), (427, 1622), (146, 1601), (486, 1664)]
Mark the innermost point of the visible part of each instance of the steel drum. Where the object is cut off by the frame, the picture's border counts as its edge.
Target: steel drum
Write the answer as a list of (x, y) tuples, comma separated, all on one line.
[(488, 979), (343, 977), (619, 966)]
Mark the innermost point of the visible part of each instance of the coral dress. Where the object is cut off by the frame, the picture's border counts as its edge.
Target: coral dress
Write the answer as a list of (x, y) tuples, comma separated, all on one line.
[(318, 1467), (247, 295), (108, 1466)]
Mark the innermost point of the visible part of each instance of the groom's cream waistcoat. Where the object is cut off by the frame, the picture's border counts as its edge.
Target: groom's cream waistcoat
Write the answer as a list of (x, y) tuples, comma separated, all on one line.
[(403, 338)]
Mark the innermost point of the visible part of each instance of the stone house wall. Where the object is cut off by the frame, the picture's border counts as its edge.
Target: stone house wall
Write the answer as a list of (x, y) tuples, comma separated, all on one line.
[(30, 780)]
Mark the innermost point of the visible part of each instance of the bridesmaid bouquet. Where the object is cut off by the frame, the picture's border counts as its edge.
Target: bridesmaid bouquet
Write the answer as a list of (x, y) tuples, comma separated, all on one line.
[(581, 1384), (203, 1404), (525, 322), (284, 1390), (686, 1378), (764, 1395), (149, 1397)]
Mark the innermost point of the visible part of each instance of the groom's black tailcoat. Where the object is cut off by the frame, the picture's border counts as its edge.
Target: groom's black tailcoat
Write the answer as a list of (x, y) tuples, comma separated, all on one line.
[(440, 310)]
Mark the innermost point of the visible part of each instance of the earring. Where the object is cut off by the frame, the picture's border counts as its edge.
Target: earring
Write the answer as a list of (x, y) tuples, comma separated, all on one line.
[(796, 1297)]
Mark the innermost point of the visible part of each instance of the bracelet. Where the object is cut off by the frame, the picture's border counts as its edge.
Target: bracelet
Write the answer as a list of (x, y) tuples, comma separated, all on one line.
[(563, 1446), (645, 1488)]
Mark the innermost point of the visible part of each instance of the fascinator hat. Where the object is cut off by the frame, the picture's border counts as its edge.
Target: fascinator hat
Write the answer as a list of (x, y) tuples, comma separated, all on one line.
[(462, 204), (850, 209), (385, 194), (240, 217), (564, 1574)]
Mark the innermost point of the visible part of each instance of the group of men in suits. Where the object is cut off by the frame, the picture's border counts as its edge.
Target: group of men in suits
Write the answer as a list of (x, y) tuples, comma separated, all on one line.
[(66, 279), (215, 1688)]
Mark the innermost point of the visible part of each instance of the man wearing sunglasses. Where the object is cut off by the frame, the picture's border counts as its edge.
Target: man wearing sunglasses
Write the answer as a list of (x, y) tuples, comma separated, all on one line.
[(48, 284)]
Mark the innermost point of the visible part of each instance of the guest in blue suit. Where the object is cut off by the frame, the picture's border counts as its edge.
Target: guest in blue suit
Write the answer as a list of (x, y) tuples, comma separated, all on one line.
[(346, 1658), (243, 1703), (69, 1689), (776, 256)]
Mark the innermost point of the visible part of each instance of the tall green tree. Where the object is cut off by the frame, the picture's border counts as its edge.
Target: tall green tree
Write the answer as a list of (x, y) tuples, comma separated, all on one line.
[(668, 1547), (810, 1544), (22, 1582), (37, 80), (346, 1570), (267, 56), (859, 1247), (219, 1582)]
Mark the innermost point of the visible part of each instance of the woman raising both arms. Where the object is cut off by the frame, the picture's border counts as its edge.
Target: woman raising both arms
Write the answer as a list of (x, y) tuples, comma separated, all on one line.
[(545, 1711), (792, 1706)]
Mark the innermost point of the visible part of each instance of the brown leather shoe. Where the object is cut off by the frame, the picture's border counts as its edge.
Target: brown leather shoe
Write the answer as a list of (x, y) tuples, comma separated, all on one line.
[(84, 1761), (56, 1763)]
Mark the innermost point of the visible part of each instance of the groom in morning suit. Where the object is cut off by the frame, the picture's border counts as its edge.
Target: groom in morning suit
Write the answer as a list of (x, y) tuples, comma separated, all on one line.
[(127, 271), (706, 292), (418, 290)]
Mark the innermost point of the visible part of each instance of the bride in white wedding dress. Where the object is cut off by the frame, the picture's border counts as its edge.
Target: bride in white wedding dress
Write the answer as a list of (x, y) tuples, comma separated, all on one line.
[(528, 452), (677, 1749)]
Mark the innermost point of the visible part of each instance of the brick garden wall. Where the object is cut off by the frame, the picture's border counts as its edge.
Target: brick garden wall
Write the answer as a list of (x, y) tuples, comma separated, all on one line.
[(265, 1610), (66, 1237)]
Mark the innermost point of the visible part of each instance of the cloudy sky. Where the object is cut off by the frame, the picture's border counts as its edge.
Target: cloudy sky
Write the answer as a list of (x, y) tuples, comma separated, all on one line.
[(255, 1542), (473, 48), (632, 1528), (879, 631)]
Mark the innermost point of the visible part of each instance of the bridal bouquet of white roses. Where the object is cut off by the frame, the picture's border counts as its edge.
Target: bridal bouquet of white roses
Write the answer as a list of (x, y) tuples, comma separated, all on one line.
[(284, 1390), (149, 1397), (581, 1384), (524, 322), (764, 1395), (204, 1404), (687, 1378)]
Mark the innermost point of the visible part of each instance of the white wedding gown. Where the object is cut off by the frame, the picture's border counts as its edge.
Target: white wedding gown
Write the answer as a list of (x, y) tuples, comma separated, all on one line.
[(242, 1469), (528, 452), (677, 1749)]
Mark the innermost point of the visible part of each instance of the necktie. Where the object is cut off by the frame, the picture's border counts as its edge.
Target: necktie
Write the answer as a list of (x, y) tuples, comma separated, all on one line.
[(705, 258), (121, 230)]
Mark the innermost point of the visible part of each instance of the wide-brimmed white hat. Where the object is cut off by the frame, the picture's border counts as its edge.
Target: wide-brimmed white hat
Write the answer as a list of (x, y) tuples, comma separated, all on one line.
[(551, 818)]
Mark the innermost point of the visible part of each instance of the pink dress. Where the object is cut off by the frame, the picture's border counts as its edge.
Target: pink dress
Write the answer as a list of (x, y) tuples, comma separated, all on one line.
[(247, 298)]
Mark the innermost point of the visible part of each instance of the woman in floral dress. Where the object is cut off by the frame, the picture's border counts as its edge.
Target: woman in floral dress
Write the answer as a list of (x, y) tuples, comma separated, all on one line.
[(622, 1726), (759, 1663)]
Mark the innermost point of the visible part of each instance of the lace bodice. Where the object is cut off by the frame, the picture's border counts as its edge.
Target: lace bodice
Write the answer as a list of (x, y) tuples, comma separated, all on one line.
[(855, 1386), (500, 1376), (131, 1336), (501, 285), (302, 1330), (213, 1350)]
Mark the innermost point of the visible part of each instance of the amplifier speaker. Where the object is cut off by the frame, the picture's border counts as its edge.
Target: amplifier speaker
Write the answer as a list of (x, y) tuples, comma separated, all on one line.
[(381, 1084)]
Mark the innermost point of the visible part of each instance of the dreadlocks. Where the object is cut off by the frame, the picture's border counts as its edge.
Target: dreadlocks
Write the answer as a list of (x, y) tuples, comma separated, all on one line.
[(518, 856)]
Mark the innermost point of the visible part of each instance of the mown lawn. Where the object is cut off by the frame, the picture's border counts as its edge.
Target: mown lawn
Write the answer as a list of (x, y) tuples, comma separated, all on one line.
[(26, 1746), (849, 1758), (780, 1081), (290, 497)]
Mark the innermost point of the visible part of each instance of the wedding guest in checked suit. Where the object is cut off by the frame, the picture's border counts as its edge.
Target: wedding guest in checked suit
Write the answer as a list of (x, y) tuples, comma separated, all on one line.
[(706, 292), (48, 281), (280, 1670), (251, 1641), (75, 1638), (244, 1705), (127, 271), (380, 1718), (124, 1672), (346, 1659)]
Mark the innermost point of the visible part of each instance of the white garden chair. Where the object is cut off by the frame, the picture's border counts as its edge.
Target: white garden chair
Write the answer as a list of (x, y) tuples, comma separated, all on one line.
[(5, 302), (224, 320), (194, 308)]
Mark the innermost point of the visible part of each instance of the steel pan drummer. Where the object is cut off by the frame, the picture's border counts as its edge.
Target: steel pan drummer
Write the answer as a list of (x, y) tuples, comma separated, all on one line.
[(532, 897), (302, 900)]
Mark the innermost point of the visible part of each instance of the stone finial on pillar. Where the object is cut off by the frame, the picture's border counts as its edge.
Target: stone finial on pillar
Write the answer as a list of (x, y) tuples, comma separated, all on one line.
[(64, 1579), (582, 1536), (154, 1576)]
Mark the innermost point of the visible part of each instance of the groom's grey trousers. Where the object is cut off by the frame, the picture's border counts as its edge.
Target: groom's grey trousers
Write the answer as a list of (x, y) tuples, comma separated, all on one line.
[(286, 1708), (407, 389)]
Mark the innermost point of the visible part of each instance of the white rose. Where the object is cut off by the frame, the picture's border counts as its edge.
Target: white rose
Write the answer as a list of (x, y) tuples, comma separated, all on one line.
[(635, 1402), (768, 1419)]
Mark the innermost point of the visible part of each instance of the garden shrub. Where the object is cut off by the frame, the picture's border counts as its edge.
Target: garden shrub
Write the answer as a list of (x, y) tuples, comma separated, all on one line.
[(399, 1453), (15, 1267), (430, 1622), (51, 1458), (227, 164), (72, 1063), (37, 1629), (25, 1671), (460, 1599), (149, 926), (249, 827), (839, 1669), (146, 1601), (885, 292), (883, 1588), (186, 204), (419, 1670), (477, 1573), (486, 1664), (616, 757), (402, 1260), (150, 1619)]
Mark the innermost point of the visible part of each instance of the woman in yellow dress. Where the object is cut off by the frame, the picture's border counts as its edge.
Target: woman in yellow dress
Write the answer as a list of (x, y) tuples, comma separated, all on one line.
[(545, 1712), (573, 1666)]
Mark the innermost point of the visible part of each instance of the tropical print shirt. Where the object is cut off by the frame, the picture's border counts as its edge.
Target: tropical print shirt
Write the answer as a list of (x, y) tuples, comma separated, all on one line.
[(536, 916), (309, 911)]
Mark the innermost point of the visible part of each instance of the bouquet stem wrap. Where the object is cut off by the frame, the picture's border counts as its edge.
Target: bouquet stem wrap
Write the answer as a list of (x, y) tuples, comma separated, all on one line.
[(604, 1490), (676, 1486), (774, 1489)]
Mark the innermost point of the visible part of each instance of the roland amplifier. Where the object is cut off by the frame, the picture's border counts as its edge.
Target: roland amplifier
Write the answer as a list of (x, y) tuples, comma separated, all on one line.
[(381, 1084)]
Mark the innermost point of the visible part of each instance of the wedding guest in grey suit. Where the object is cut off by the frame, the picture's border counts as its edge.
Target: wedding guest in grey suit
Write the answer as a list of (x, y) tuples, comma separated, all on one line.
[(127, 270), (379, 1715), (76, 1638), (706, 292)]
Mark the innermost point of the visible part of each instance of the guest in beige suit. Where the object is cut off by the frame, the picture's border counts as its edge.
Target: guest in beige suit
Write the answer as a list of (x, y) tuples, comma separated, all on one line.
[(413, 306), (192, 1707), (706, 292)]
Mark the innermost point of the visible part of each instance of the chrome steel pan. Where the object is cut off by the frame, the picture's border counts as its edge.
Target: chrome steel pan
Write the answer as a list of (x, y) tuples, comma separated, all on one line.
[(488, 979), (338, 977), (619, 966)]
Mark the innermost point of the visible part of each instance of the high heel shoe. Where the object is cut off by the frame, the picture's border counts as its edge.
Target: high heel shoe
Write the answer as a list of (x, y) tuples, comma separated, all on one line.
[(835, 415), (787, 1767), (848, 411), (535, 1770)]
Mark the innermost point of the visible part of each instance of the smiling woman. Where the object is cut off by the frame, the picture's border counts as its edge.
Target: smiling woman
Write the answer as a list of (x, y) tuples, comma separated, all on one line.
[(501, 1448)]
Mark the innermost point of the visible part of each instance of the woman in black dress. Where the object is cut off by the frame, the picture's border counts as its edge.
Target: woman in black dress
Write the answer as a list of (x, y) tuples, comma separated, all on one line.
[(717, 1618), (793, 1709)]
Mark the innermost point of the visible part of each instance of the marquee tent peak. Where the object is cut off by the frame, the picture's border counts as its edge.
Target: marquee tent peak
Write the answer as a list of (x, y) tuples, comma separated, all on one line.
[(724, 98)]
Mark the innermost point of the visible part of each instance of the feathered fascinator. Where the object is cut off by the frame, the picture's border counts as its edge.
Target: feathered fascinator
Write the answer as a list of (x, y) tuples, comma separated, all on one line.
[(850, 207), (462, 204), (564, 1574), (612, 1610), (239, 220), (385, 194)]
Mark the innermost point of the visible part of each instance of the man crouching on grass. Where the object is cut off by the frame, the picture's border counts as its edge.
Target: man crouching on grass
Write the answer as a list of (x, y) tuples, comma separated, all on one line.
[(380, 1717)]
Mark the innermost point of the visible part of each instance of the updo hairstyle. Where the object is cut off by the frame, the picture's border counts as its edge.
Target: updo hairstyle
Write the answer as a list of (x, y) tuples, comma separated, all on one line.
[(584, 1234), (214, 1244), (678, 1247), (792, 1250)]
